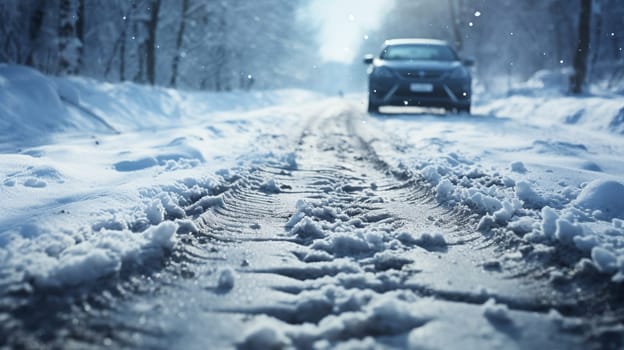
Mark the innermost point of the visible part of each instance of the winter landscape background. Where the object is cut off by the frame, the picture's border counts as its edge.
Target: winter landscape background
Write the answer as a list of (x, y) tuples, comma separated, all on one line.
[(203, 174), (236, 44)]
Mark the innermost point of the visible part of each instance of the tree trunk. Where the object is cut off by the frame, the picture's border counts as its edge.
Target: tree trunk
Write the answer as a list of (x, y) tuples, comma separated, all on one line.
[(581, 54), (152, 26), (34, 31), (596, 40), (68, 41), (80, 32), (456, 23), (179, 42), (555, 10), (122, 54), (138, 39)]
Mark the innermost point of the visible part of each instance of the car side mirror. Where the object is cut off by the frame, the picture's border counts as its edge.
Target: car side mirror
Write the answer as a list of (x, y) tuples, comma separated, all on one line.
[(468, 62), (368, 59)]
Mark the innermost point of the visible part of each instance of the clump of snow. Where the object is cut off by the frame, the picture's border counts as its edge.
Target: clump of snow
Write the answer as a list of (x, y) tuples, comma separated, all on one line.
[(389, 259), (518, 167), (431, 174), (350, 243), (604, 198), (186, 226), (264, 334), (549, 221), (566, 231), (104, 254), (307, 228), (605, 261), (155, 212), (206, 202), (226, 278), (444, 189), (291, 161), (270, 186), (528, 195), (344, 314), (428, 241), (496, 313)]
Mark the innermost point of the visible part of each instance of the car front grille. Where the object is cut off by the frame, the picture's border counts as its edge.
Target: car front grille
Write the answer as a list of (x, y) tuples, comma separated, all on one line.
[(404, 91), (421, 74)]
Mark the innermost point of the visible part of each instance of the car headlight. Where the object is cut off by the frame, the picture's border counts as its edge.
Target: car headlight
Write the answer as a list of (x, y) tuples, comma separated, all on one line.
[(382, 72), (459, 73)]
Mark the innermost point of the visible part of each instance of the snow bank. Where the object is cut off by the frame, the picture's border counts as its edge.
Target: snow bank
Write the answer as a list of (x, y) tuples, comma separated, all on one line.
[(30, 107), (592, 222), (112, 174), (589, 218), (112, 241), (552, 107), (35, 108)]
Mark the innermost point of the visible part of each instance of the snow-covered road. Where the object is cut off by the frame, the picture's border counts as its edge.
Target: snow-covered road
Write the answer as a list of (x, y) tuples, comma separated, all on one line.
[(315, 225)]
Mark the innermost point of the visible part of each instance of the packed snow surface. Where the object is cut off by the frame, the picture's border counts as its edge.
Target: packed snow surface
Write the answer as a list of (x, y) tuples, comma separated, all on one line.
[(97, 177), (99, 181), (549, 168)]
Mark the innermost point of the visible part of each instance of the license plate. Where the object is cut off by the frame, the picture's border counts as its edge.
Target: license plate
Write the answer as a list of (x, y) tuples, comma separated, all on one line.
[(421, 87)]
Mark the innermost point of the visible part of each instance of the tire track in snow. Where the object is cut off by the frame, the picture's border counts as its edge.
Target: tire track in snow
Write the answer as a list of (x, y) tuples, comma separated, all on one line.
[(337, 250)]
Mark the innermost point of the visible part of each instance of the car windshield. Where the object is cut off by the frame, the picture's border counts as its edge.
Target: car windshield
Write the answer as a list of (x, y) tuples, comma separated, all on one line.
[(419, 52)]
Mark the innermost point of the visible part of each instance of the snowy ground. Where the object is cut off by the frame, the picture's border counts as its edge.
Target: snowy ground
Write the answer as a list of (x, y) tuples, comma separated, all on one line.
[(145, 217)]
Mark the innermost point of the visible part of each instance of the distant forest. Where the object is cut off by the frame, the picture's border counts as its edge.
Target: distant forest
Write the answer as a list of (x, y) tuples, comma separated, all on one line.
[(201, 44), (516, 38), (221, 45)]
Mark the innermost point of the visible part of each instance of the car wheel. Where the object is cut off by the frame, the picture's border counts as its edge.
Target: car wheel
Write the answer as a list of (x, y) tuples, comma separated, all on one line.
[(372, 107), (464, 110)]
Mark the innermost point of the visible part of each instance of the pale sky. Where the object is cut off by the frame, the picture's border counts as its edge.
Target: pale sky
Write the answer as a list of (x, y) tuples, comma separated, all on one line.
[(345, 24)]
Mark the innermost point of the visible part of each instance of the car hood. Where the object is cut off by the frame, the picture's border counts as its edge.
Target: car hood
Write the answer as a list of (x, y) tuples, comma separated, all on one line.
[(419, 65)]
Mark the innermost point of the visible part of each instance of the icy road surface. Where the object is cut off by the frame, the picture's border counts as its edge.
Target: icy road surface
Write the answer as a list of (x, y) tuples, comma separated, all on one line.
[(317, 227)]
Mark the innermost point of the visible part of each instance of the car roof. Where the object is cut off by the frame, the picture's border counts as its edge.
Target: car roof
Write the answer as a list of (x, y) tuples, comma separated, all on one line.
[(414, 41)]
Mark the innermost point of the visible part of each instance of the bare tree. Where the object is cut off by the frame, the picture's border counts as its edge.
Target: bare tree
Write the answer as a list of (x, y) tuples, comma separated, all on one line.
[(69, 44), (211, 44), (34, 31), (581, 55), (152, 26), (178, 45), (456, 23)]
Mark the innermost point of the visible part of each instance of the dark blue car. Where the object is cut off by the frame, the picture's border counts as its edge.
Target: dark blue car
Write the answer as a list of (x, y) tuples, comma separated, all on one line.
[(419, 72)]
